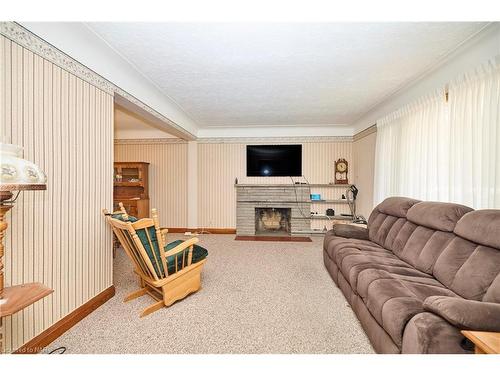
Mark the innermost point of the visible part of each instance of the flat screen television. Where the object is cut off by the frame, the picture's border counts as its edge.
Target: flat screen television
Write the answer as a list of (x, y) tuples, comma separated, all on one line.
[(274, 160)]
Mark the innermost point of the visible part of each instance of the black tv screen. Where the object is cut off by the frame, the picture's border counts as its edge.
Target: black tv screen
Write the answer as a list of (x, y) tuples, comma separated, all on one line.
[(274, 160)]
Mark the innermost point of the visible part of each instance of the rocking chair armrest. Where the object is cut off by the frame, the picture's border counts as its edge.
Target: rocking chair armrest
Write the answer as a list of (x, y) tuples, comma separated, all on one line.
[(182, 246), (164, 232)]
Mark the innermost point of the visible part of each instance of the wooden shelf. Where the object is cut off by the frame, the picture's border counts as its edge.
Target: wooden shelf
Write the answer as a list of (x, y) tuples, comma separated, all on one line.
[(17, 297), (324, 217), (330, 185), (128, 183), (331, 201), (297, 185), (336, 217), (335, 201), (133, 194)]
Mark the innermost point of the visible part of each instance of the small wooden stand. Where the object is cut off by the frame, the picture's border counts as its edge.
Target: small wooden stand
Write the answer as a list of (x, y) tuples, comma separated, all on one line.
[(485, 342)]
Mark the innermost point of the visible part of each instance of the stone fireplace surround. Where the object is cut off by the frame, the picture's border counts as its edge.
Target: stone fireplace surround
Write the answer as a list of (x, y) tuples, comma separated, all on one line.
[(295, 197)]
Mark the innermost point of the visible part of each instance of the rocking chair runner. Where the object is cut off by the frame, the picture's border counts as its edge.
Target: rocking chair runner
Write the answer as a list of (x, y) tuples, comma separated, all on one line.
[(167, 273)]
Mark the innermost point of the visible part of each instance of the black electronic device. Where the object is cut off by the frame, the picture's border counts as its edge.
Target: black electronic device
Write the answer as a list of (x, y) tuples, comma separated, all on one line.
[(274, 160)]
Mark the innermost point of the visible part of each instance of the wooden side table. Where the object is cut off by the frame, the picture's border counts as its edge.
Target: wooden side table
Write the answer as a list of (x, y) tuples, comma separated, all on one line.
[(485, 342)]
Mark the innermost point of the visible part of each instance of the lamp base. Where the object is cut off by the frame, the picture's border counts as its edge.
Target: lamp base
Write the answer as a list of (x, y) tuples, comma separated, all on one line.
[(4, 208)]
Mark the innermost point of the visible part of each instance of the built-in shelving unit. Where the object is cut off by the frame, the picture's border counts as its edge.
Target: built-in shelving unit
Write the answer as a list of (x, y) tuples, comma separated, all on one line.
[(131, 188), (331, 193)]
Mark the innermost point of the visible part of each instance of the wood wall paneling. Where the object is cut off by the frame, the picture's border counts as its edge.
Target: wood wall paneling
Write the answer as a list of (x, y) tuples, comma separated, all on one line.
[(57, 236)]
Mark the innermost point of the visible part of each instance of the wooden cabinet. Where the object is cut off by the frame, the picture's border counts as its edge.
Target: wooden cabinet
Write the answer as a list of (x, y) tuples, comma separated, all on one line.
[(131, 187)]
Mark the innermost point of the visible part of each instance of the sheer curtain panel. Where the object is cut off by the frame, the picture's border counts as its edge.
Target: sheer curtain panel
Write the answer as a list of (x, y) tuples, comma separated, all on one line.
[(444, 151)]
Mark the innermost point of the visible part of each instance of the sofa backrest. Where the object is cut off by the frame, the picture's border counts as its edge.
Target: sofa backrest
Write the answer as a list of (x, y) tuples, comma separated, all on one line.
[(470, 264), (387, 224), (454, 243)]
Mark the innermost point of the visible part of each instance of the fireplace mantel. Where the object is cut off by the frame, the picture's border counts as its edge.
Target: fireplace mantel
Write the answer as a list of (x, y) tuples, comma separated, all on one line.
[(252, 196)]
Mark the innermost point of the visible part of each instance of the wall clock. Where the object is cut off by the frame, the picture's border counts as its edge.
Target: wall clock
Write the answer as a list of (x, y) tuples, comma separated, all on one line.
[(341, 169)]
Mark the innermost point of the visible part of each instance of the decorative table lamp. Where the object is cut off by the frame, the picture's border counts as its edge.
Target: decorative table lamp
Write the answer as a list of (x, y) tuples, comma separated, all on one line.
[(16, 174)]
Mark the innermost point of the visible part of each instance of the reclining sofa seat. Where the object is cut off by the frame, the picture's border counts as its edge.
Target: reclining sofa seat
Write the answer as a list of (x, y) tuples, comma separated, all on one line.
[(420, 272)]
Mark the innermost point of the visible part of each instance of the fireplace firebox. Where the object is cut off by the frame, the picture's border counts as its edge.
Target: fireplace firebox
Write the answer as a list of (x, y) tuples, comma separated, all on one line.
[(272, 221)]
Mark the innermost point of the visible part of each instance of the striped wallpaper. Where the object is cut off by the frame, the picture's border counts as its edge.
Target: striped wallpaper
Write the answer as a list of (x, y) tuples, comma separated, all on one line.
[(364, 153), (220, 163), (167, 177), (57, 236)]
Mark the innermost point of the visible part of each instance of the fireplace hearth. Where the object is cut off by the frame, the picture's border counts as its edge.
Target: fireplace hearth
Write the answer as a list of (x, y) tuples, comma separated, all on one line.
[(272, 221)]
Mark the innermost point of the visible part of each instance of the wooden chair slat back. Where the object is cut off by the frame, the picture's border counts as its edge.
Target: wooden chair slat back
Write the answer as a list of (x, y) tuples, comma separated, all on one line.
[(133, 253), (130, 241), (154, 261)]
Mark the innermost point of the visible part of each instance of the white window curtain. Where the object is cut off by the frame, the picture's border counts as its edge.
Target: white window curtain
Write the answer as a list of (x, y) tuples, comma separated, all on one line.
[(444, 151), (410, 153), (474, 106)]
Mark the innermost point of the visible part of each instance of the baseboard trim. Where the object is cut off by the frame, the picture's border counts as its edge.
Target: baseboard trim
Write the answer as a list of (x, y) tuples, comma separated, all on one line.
[(211, 230), (36, 344)]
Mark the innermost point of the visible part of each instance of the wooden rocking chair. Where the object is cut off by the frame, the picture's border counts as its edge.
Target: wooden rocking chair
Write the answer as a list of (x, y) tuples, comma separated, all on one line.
[(166, 275)]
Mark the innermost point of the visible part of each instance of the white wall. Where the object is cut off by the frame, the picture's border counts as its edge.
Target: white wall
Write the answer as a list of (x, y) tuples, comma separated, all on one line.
[(471, 54), (79, 42)]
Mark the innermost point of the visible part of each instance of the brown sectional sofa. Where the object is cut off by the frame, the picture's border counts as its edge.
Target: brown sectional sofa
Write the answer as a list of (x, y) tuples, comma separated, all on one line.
[(420, 273)]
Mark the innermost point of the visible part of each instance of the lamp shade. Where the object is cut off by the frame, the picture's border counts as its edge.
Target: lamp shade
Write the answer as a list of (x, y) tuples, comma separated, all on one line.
[(17, 173)]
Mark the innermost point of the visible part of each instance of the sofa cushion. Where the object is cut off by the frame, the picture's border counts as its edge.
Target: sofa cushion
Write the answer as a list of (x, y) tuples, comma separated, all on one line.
[(493, 292), (396, 206), (437, 215), (394, 301), (481, 226), (350, 231), (465, 314), (352, 264), (467, 268), (369, 275), (423, 248), (333, 245)]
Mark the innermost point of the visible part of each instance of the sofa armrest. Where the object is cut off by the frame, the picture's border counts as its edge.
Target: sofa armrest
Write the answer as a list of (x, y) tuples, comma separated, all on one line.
[(350, 231), (466, 314)]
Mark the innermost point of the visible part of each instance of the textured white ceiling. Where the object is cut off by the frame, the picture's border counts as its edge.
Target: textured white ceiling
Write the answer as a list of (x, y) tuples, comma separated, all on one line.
[(246, 75)]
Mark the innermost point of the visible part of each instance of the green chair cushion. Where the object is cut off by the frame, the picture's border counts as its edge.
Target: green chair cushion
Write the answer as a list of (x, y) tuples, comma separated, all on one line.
[(156, 257), (199, 253), (141, 233), (120, 217)]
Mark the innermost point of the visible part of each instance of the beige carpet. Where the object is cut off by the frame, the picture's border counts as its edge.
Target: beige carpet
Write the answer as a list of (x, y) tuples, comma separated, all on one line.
[(257, 297)]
